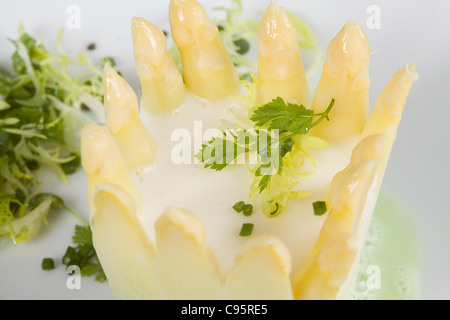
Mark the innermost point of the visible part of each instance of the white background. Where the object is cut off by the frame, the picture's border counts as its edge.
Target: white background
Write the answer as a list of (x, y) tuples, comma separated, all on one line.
[(412, 32)]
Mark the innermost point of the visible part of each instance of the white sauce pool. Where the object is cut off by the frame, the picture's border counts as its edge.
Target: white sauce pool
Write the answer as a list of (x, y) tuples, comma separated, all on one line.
[(211, 194)]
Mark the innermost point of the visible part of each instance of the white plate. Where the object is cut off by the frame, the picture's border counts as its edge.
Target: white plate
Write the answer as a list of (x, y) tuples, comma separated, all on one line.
[(411, 32)]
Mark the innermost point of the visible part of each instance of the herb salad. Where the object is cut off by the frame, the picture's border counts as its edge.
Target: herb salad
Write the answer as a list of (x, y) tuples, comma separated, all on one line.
[(43, 107), (44, 104)]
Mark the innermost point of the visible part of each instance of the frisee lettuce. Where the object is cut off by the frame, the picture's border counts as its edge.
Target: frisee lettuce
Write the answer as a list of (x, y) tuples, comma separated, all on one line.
[(19, 224), (43, 106)]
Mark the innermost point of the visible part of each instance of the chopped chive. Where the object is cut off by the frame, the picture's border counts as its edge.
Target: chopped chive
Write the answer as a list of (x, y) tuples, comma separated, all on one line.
[(48, 264), (320, 208), (248, 210), (239, 206), (246, 230)]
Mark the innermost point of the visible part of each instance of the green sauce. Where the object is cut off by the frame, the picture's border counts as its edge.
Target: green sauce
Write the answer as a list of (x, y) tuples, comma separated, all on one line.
[(390, 261)]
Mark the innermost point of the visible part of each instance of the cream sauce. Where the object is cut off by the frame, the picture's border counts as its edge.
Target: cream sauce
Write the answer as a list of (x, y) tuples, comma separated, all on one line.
[(211, 194)]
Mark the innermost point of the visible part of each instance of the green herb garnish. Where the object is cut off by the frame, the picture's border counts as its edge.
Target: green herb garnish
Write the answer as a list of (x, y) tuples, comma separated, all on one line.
[(279, 129), (320, 208), (48, 264), (247, 210), (246, 230), (287, 120), (239, 206), (83, 254), (290, 119)]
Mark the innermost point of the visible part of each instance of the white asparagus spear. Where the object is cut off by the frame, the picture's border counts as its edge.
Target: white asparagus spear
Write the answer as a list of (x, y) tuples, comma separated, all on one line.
[(352, 198), (103, 163), (280, 67), (162, 84), (208, 70), (261, 271), (345, 78), (123, 246), (186, 266), (122, 119)]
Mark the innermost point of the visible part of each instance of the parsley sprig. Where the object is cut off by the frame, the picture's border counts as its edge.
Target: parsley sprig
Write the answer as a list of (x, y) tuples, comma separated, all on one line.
[(83, 254), (290, 119)]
